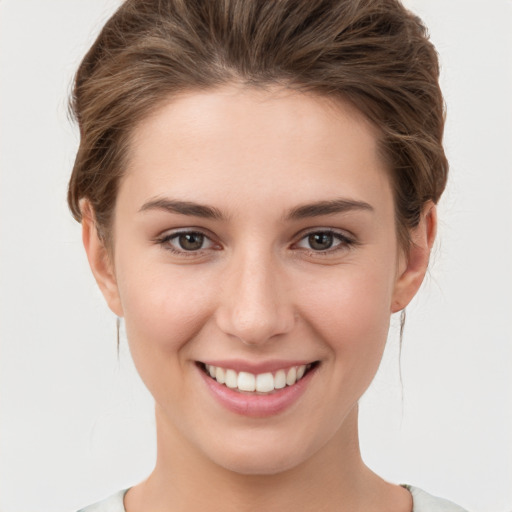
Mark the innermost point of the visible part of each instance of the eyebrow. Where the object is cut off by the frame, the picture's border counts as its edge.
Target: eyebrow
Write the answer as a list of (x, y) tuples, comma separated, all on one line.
[(316, 209), (183, 208), (329, 207)]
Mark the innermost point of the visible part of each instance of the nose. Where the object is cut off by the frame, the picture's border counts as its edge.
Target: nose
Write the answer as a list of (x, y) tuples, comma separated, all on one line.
[(254, 305)]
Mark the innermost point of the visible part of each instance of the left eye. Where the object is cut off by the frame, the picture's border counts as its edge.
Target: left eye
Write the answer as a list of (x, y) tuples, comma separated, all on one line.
[(187, 241), (323, 241)]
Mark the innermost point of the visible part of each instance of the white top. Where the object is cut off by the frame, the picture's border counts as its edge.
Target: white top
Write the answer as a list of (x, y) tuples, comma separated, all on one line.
[(422, 502)]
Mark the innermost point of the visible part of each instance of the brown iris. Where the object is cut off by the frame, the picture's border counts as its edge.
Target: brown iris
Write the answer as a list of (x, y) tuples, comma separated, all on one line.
[(320, 241), (191, 241)]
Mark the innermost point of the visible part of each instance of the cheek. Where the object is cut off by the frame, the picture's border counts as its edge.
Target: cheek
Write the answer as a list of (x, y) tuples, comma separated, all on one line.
[(163, 314), (164, 309), (351, 312)]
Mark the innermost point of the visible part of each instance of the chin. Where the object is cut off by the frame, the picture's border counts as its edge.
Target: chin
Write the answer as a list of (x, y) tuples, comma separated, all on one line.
[(260, 464), (264, 456)]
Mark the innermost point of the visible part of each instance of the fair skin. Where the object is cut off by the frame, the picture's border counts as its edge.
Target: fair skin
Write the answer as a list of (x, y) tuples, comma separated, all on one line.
[(254, 231)]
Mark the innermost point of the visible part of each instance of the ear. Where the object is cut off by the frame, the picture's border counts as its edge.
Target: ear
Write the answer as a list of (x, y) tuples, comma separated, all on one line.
[(100, 260), (415, 262)]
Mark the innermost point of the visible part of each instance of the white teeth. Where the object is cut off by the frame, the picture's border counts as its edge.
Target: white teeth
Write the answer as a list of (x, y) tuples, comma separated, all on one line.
[(246, 381), (220, 375), (291, 376), (280, 379), (231, 379), (264, 382), (261, 383)]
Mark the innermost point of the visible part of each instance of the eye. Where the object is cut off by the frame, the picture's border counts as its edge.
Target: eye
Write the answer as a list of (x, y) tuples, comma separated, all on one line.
[(190, 241), (320, 241), (186, 241), (324, 241)]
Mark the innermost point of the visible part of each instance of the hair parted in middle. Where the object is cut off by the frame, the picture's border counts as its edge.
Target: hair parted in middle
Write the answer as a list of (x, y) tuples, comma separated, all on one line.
[(374, 54)]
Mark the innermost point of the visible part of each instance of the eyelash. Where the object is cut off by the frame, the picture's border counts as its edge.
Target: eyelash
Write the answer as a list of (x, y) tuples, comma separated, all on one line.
[(165, 240), (344, 242)]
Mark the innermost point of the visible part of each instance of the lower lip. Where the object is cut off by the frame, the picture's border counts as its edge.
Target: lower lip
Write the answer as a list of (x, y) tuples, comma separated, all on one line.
[(257, 406)]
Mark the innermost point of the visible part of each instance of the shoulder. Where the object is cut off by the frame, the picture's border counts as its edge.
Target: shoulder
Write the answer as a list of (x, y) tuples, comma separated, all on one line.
[(424, 502), (112, 504)]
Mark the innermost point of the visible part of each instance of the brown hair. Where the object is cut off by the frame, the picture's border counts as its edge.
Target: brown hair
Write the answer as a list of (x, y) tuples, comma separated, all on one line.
[(372, 53)]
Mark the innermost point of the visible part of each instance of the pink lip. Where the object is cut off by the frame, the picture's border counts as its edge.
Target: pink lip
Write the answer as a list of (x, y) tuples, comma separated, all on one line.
[(253, 405), (240, 365)]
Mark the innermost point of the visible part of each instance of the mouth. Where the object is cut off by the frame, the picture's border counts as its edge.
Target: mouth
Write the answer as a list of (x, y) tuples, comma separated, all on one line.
[(266, 383)]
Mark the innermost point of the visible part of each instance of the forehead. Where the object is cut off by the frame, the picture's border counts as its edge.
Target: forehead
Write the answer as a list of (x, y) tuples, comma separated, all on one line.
[(257, 145)]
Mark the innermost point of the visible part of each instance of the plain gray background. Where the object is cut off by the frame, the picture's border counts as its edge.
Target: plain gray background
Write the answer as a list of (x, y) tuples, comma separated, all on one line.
[(76, 423)]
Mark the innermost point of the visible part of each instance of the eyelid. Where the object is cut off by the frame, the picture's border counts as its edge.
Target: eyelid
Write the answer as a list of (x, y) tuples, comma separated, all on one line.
[(165, 238), (346, 241)]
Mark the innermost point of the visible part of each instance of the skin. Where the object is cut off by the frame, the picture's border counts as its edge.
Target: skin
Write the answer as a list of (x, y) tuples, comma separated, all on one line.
[(257, 290)]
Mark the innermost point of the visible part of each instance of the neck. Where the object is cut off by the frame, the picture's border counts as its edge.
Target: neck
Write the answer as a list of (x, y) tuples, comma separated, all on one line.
[(333, 479)]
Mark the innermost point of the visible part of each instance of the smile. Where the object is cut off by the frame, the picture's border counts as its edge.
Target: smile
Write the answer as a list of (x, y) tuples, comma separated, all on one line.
[(261, 383)]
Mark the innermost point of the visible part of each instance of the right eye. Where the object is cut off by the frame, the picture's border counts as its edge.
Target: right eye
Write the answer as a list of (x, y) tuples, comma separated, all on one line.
[(186, 242)]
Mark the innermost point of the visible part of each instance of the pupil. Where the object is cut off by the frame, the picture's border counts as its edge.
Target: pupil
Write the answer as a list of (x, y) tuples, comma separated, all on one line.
[(191, 241), (320, 241)]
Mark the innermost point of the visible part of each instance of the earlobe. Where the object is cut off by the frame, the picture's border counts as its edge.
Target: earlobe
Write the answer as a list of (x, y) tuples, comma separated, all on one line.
[(416, 261), (99, 260)]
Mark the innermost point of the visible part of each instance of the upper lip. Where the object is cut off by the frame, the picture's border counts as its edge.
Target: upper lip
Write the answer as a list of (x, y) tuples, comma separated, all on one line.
[(240, 365)]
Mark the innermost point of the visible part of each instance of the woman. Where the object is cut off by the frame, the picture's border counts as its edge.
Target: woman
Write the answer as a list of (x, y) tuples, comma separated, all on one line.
[(257, 185)]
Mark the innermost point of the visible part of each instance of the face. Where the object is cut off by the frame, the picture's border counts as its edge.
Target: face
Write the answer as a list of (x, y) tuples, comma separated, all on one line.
[(256, 266)]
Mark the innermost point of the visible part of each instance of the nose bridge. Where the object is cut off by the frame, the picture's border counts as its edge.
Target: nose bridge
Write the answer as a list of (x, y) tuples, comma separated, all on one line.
[(254, 304)]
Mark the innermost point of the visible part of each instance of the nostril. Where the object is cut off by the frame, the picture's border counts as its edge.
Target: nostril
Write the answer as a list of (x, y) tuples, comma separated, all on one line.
[(253, 327)]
